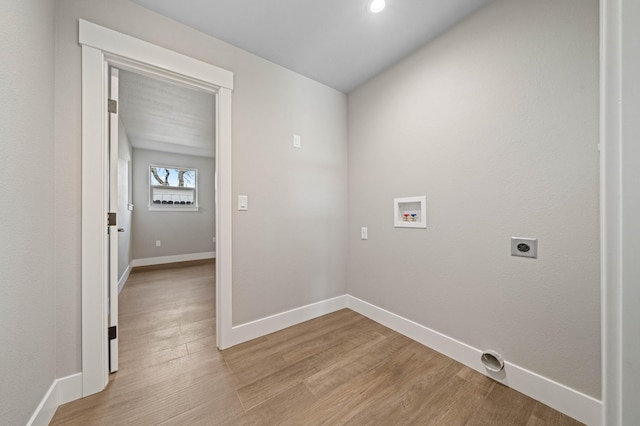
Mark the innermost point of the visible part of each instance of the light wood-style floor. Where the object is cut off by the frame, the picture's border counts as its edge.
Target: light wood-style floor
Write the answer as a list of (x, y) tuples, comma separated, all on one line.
[(338, 369)]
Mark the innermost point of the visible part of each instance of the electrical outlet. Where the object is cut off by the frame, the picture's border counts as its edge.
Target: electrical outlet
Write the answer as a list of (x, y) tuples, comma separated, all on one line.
[(158, 243)]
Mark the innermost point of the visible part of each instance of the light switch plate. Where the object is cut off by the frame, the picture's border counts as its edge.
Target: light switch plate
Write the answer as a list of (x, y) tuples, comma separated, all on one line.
[(296, 141), (364, 233), (524, 247), (243, 202)]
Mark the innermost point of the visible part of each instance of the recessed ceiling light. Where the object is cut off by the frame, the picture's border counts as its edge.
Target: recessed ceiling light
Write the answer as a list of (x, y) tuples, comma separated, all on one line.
[(376, 6)]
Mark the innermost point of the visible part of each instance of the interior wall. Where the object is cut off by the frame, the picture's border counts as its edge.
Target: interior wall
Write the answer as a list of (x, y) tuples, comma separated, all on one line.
[(630, 230), (27, 292), (185, 232), (125, 159), (290, 248), (496, 122)]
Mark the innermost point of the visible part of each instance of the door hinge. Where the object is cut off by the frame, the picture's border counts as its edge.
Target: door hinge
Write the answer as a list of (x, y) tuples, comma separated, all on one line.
[(113, 332), (112, 106), (111, 219)]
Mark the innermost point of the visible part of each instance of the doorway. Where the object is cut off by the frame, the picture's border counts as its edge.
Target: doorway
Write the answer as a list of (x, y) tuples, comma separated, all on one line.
[(101, 48), (163, 155)]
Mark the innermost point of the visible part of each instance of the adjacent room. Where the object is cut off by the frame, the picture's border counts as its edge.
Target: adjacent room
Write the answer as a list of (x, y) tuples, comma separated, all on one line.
[(166, 170)]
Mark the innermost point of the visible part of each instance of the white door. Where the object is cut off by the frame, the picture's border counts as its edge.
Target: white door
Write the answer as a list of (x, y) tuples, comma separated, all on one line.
[(113, 224)]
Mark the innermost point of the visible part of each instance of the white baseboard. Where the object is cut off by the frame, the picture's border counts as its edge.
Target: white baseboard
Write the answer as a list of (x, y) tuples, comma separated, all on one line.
[(562, 398), (63, 390), (254, 329), (124, 277), (148, 261), (69, 388)]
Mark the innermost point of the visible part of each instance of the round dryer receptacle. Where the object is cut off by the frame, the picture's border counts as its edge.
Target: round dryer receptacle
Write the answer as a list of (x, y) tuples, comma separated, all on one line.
[(492, 360)]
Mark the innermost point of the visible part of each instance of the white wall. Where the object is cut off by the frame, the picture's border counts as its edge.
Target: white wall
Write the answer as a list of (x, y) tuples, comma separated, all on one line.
[(27, 289), (290, 247), (496, 122), (630, 230), (179, 232), (124, 216)]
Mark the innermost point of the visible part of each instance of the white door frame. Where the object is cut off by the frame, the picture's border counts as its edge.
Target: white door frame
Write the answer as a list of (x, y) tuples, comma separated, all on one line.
[(102, 46), (620, 209), (113, 74)]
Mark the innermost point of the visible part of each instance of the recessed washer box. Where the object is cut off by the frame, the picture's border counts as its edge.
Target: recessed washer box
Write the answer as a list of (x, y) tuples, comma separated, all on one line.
[(524, 247), (410, 212)]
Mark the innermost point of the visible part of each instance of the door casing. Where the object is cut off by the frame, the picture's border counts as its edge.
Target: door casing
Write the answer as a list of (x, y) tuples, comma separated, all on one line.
[(112, 306), (102, 47)]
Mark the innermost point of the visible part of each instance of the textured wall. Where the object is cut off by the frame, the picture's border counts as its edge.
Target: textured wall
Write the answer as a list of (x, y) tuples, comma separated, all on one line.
[(27, 289), (290, 248), (496, 122), (179, 232)]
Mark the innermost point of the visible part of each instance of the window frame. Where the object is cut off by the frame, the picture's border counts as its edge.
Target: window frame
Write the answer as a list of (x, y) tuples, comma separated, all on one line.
[(173, 207)]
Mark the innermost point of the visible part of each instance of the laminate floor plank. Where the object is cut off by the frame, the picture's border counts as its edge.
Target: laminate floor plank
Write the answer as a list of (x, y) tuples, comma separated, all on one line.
[(329, 379), (198, 329), (269, 386), (271, 355), (503, 406), (362, 391), (334, 374), (156, 341), (341, 368), (405, 393), (216, 411), (484, 383), (454, 403), (544, 415), (281, 341), (417, 394), (313, 346), (277, 409), (247, 373)]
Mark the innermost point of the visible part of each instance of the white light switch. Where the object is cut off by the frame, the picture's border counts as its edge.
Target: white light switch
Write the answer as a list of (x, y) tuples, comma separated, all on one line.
[(364, 234), (158, 243), (296, 141), (243, 202)]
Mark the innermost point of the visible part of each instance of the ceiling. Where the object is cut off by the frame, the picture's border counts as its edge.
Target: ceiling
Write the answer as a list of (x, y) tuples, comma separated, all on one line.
[(336, 42), (167, 117)]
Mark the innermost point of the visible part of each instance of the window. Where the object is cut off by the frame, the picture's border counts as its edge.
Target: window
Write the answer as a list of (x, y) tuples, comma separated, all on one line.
[(173, 188)]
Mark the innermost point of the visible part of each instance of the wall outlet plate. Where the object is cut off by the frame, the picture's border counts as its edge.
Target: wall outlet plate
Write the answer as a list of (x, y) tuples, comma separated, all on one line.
[(364, 233), (525, 247)]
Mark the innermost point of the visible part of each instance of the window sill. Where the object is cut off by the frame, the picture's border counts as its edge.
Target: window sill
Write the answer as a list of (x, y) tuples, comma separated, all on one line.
[(172, 208)]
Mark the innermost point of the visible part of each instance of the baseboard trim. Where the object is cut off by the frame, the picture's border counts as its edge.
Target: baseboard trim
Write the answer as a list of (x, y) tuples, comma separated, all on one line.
[(562, 398), (124, 277), (63, 390), (148, 261), (254, 329)]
